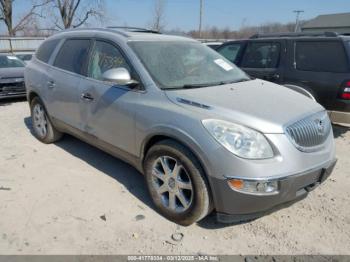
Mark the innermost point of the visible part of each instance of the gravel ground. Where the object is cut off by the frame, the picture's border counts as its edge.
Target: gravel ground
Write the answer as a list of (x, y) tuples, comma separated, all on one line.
[(71, 198)]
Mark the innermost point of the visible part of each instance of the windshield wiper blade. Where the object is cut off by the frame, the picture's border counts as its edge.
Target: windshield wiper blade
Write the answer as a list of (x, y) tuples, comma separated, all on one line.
[(190, 86)]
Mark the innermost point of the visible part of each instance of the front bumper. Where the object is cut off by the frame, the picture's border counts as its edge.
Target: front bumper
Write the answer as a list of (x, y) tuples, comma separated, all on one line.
[(236, 206), (340, 111), (16, 89)]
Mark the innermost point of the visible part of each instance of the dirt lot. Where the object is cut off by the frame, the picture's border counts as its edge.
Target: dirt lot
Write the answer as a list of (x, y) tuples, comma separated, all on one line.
[(72, 198)]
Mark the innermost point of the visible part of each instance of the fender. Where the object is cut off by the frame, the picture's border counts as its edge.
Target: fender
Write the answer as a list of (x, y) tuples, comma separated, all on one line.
[(179, 135), (302, 90)]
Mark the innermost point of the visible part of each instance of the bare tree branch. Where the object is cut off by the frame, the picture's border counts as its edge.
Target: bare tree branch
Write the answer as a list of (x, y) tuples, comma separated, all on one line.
[(21, 24), (6, 16), (158, 23), (73, 14)]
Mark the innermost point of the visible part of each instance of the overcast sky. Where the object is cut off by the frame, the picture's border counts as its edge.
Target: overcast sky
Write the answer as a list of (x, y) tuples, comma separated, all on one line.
[(184, 14)]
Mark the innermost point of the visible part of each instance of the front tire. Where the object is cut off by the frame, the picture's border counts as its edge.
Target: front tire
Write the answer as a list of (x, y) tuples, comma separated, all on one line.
[(42, 127), (177, 183)]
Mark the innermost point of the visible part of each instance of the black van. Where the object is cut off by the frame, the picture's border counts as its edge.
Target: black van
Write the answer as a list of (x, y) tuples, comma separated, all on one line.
[(316, 65)]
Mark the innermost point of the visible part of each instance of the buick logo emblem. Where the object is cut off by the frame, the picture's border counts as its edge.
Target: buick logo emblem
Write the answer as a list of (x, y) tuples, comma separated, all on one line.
[(320, 126)]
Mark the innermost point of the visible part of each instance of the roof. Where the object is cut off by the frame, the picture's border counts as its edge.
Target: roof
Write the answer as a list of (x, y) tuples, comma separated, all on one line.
[(128, 35), (329, 21)]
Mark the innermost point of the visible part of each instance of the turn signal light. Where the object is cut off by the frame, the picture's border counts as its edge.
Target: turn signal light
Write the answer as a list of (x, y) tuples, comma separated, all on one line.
[(257, 187), (236, 183)]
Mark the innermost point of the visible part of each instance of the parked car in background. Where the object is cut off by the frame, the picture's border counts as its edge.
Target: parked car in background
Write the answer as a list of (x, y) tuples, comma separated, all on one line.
[(316, 65), (213, 45), (205, 135), (22, 47), (11, 76), (25, 57)]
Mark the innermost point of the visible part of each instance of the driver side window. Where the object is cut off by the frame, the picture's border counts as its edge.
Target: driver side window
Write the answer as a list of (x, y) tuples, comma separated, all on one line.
[(105, 56)]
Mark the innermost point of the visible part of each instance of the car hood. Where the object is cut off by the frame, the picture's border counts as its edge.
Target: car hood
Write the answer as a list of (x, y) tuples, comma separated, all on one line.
[(259, 104), (15, 72)]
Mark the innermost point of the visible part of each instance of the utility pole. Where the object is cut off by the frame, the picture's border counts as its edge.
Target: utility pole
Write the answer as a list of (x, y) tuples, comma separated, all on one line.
[(297, 12), (200, 18)]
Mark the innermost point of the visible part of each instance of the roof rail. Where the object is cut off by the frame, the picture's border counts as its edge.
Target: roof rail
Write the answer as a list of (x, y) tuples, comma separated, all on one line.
[(301, 34), (134, 29)]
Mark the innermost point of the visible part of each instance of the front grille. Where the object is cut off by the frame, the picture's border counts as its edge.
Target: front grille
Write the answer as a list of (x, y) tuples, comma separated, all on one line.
[(309, 134)]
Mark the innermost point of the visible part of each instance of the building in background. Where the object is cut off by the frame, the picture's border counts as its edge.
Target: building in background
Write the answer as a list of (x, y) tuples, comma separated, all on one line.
[(339, 23)]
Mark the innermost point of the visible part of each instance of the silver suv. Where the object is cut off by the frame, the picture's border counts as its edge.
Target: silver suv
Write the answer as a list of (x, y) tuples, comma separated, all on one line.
[(205, 135)]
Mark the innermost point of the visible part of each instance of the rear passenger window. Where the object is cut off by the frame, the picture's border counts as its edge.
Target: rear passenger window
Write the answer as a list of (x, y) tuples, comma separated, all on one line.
[(105, 56), (230, 51), (73, 55), (327, 56), (261, 55), (45, 50)]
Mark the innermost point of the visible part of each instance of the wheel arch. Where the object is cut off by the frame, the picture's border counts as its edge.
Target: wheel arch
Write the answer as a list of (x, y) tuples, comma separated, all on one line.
[(188, 143), (304, 90), (180, 138), (32, 95)]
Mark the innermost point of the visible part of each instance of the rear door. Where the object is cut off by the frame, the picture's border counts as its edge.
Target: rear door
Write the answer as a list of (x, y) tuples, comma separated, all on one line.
[(68, 69), (322, 66), (264, 59)]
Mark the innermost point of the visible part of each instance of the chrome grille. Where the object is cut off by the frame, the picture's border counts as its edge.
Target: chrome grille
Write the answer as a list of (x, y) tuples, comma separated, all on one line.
[(310, 133)]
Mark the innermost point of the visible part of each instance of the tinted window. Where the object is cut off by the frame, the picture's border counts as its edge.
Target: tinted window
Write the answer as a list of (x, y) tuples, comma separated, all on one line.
[(72, 56), (45, 50), (321, 56), (261, 55), (7, 61), (105, 56), (26, 57), (230, 51)]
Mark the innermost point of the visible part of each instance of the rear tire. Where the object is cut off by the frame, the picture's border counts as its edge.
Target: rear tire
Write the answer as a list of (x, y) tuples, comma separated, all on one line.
[(177, 183), (42, 127)]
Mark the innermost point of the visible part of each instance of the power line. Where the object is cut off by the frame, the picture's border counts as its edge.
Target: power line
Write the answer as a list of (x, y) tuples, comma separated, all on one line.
[(200, 18), (297, 12)]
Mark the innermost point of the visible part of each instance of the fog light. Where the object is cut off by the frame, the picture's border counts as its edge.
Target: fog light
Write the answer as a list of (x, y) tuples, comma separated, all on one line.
[(254, 187)]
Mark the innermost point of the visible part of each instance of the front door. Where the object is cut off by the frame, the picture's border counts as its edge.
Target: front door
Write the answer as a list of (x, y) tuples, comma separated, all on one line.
[(107, 110), (261, 59)]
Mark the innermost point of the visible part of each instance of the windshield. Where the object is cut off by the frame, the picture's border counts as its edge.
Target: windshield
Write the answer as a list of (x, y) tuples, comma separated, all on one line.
[(7, 61), (25, 57), (185, 64)]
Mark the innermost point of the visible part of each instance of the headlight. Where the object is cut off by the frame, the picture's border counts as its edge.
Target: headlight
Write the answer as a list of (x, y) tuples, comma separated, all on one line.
[(241, 141)]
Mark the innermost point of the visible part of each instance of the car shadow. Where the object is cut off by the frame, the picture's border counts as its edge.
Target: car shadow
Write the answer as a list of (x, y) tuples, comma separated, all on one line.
[(340, 130), (128, 176), (9, 101), (124, 173)]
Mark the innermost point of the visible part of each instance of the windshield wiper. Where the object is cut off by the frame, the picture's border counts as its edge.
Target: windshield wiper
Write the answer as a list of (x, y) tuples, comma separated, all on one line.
[(192, 86), (187, 86)]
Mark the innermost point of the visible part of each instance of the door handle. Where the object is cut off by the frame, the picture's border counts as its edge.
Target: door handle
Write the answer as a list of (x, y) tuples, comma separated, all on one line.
[(51, 84), (87, 97), (276, 76)]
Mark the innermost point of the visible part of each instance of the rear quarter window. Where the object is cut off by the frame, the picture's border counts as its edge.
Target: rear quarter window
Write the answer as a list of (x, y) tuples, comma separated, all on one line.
[(44, 52), (328, 56)]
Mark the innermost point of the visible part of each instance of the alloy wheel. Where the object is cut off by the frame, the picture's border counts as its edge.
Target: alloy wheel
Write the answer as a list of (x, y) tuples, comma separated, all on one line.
[(40, 120), (172, 184)]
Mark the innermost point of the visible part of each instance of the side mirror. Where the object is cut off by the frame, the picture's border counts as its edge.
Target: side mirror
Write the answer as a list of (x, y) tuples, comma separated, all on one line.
[(119, 76)]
